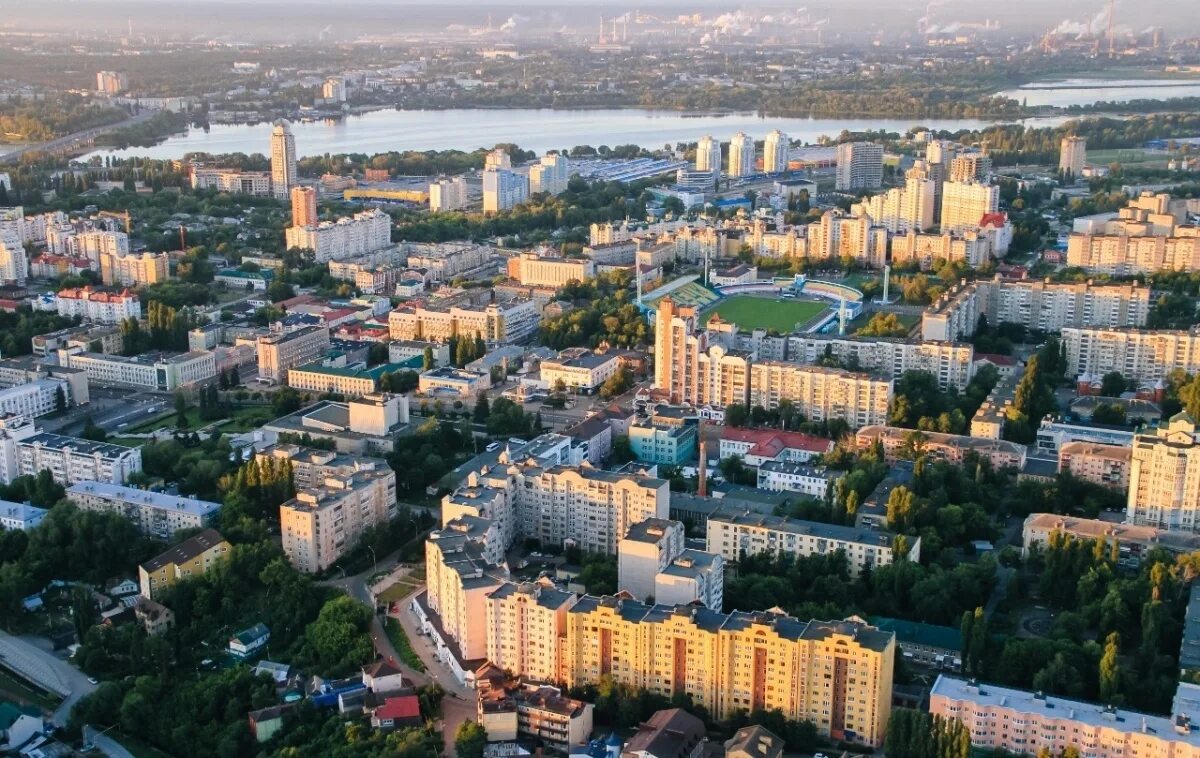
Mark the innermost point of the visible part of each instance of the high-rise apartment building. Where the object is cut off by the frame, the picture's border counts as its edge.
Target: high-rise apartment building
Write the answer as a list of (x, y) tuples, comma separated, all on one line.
[(104, 307), (1125, 254), (503, 322), (1140, 355), (72, 459), (902, 209), (133, 270), (950, 362), (503, 189), (859, 166), (1164, 476), (550, 175), (347, 237), (708, 155), (1072, 155), (111, 82), (334, 89), (526, 629), (322, 523), (14, 263), (964, 204), (821, 393), (775, 152), (741, 155), (448, 194), (835, 674), (497, 159), (970, 167), (283, 159), (304, 206), (676, 347)]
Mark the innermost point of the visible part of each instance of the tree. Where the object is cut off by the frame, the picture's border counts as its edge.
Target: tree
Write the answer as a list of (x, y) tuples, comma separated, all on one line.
[(1113, 384), (736, 415), (60, 397), (470, 739), (1189, 396), (482, 411), (1108, 413), (1110, 669), (617, 384), (427, 362), (622, 449), (181, 409)]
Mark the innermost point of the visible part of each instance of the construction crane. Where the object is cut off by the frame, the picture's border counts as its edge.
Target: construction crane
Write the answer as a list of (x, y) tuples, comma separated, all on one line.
[(113, 214)]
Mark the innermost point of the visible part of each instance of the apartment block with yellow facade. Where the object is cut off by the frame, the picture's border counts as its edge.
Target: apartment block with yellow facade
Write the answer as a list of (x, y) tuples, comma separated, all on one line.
[(462, 568), (190, 558), (837, 674), (323, 522), (527, 629)]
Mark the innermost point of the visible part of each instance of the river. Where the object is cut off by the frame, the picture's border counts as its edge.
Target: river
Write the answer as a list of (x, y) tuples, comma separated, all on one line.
[(1067, 92), (532, 129)]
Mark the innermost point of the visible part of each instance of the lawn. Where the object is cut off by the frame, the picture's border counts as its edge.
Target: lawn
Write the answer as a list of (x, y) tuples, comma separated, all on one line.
[(242, 419), (399, 639), (750, 312)]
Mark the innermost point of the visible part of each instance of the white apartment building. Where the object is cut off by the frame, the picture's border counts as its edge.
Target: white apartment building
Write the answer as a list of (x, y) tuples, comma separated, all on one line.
[(790, 476), (837, 235), (35, 398), (902, 209), (736, 534), (94, 244), (347, 237), (156, 514), (1035, 304), (776, 149), (310, 466), (951, 362), (256, 183), (1072, 155), (104, 307), (14, 263), (859, 166), (503, 189), (459, 579), (111, 82), (741, 155), (550, 175), (1123, 255), (1164, 477), (694, 576), (447, 260), (525, 625), (153, 371), (334, 89), (323, 522), (496, 159), (645, 549), (448, 194), (20, 516), (964, 204), (133, 270), (708, 155), (1143, 356), (13, 431), (283, 160), (71, 459), (974, 247), (821, 393), (278, 353)]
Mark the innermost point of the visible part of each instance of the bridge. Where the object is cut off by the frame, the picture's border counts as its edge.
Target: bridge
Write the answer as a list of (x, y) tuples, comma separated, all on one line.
[(77, 141)]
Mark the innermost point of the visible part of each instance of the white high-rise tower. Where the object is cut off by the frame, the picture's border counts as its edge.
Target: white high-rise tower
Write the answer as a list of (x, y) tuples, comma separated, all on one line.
[(708, 155), (283, 159), (741, 155), (775, 153)]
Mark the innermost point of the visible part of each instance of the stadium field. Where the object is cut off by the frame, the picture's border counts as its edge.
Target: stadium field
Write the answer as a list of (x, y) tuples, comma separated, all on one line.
[(750, 312)]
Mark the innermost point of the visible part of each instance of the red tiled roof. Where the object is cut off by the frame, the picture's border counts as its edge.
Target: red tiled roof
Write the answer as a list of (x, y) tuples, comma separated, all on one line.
[(996, 359), (400, 707), (767, 440), (994, 219)]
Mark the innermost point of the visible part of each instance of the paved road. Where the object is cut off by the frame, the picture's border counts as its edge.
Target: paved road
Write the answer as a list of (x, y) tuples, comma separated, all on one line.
[(105, 744), (33, 660), (68, 141)]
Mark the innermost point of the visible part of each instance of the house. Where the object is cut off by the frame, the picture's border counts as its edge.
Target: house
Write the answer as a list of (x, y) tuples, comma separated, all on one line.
[(754, 742), (383, 676), (266, 722), (397, 711), (279, 672), (249, 641), (670, 733), (18, 727), (154, 617), (123, 588)]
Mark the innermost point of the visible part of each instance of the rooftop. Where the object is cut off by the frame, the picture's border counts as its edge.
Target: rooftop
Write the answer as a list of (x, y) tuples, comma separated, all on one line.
[(144, 498), (78, 444), (918, 633), (186, 550), (652, 530), (874, 537)]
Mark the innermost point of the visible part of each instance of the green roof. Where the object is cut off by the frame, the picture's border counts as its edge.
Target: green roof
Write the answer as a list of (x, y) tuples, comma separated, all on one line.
[(918, 633)]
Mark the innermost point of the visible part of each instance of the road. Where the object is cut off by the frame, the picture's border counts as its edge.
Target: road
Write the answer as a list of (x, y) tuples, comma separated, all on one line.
[(105, 744), (69, 141), (32, 658)]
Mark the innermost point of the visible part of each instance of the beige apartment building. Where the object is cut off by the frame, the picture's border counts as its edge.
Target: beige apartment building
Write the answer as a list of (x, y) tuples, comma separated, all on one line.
[(1141, 355), (1106, 465), (459, 578), (1123, 255), (950, 362), (187, 560), (836, 674), (1164, 476), (534, 270), (133, 269), (527, 629), (821, 393), (901, 443), (964, 204), (310, 466), (278, 353), (322, 523), (496, 322)]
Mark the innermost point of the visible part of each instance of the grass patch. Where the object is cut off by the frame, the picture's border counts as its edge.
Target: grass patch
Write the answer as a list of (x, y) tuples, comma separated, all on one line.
[(750, 312), (1126, 157), (398, 591), (395, 633), (20, 691), (241, 419)]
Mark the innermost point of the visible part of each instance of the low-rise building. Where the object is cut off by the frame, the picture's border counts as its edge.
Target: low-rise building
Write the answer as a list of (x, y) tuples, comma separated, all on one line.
[(757, 446), (1133, 541), (580, 370), (248, 642), (366, 425), (350, 381), (813, 481), (1106, 465), (907, 444), (156, 514), (1054, 432), (510, 709), (20, 516), (457, 382), (925, 644), (664, 439), (191, 558), (162, 372)]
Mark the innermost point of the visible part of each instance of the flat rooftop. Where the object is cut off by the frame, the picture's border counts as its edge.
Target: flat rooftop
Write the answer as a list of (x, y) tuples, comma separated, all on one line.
[(144, 498)]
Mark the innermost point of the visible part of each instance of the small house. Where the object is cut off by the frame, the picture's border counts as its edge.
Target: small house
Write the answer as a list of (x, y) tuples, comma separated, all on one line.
[(249, 641), (397, 711)]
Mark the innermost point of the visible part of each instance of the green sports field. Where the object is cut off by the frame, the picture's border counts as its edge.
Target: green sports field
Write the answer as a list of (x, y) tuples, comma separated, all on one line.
[(751, 312)]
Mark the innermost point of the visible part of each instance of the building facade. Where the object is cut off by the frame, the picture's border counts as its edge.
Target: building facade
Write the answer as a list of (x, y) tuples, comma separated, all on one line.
[(323, 522), (1164, 477), (156, 514)]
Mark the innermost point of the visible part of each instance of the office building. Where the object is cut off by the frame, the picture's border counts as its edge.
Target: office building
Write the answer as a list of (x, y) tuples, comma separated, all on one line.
[(448, 194), (283, 160), (964, 205), (134, 270), (550, 175), (821, 393), (348, 381), (859, 166), (526, 625), (1072, 156), (708, 155), (189, 559), (156, 514), (366, 425), (324, 522), (1140, 355), (1105, 465), (20, 516), (14, 263), (304, 206), (347, 237), (1036, 305), (503, 189), (454, 382), (580, 370), (93, 305), (502, 322), (72, 459), (533, 270), (35, 398), (1164, 477), (111, 82), (775, 152), (1023, 722), (835, 674), (951, 363), (735, 534), (901, 444), (741, 156), (277, 353), (162, 372)]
